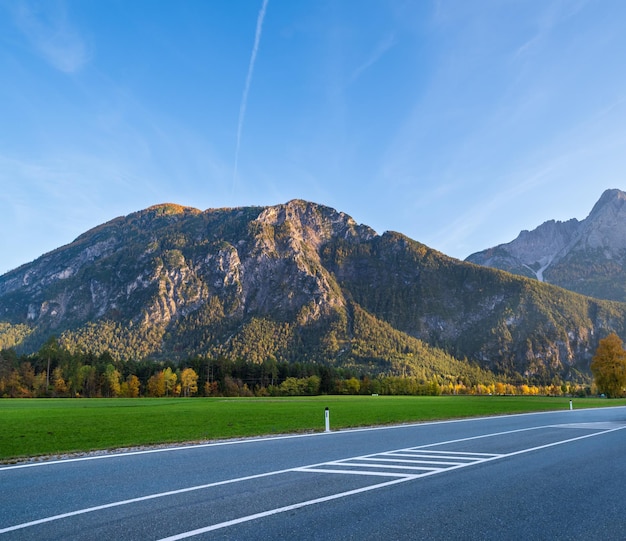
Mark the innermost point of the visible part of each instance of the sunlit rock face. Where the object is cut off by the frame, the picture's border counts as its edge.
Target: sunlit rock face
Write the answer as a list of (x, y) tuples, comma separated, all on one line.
[(303, 282)]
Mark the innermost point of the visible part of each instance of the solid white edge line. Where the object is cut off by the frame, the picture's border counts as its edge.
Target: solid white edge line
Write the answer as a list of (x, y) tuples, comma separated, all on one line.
[(310, 468), (190, 489), (264, 514), (282, 437), (139, 499)]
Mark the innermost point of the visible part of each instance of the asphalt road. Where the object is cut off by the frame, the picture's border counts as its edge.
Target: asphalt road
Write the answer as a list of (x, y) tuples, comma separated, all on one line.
[(558, 475)]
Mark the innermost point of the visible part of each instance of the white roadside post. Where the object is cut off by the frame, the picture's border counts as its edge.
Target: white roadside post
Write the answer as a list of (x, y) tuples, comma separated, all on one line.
[(327, 419), (571, 407)]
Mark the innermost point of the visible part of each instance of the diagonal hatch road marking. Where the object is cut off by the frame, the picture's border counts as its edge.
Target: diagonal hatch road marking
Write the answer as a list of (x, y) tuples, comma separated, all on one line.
[(462, 460), (410, 461), (402, 479)]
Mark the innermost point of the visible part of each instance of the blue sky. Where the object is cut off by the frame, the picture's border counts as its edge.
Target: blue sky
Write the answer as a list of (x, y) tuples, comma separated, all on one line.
[(456, 122)]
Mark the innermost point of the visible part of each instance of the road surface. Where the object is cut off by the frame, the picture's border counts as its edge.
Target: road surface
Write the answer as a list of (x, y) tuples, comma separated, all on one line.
[(558, 475)]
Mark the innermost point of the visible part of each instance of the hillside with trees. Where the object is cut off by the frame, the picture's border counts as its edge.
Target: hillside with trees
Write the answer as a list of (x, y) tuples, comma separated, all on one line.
[(301, 284)]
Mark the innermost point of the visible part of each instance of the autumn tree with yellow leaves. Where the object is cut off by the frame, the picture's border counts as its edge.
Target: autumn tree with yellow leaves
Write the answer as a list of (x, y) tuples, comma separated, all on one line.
[(189, 382), (608, 366)]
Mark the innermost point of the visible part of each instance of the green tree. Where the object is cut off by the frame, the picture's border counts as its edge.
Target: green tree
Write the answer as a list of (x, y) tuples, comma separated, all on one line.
[(50, 353), (88, 381), (312, 385), (608, 366), (352, 386), (290, 387)]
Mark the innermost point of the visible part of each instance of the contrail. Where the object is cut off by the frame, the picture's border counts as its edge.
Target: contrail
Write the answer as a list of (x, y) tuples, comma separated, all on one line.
[(244, 99)]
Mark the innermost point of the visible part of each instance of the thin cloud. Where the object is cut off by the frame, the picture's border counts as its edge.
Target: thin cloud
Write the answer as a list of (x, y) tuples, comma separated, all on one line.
[(246, 90), (554, 15), (382, 47), (50, 33), (458, 232)]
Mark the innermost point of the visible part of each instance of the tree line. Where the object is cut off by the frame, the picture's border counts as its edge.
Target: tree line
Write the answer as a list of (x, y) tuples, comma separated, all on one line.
[(56, 372)]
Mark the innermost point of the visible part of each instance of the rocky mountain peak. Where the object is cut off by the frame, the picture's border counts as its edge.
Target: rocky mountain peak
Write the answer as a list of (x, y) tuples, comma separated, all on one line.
[(588, 257), (611, 197), (164, 209), (312, 223), (297, 281), (545, 242), (605, 227)]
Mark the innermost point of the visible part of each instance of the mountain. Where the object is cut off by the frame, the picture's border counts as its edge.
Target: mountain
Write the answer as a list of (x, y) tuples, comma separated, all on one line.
[(588, 257), (297, 282)]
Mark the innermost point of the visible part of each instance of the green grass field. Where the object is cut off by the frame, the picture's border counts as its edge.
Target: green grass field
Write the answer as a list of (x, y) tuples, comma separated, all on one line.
[(34, 427)]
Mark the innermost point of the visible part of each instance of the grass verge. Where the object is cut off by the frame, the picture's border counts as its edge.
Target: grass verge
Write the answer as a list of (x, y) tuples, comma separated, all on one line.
[(34, 427)]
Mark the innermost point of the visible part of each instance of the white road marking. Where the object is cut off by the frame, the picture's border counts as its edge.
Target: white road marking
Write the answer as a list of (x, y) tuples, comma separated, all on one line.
[(278, 510), (361, 472), (300, 505), (426, 462), (123, 454), (324, 468), (592, 426), (381, 467), (403, 461), (442, 454), (459, 454), (138, 500)]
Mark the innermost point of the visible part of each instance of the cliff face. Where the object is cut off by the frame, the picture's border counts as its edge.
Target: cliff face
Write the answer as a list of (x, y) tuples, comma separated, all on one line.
[(588, 257), (148, 279), (297, 281)]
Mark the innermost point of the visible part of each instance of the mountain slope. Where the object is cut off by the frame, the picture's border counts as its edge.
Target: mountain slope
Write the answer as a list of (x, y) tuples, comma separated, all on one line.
[(297, 282), (506, 323), (588, 257)]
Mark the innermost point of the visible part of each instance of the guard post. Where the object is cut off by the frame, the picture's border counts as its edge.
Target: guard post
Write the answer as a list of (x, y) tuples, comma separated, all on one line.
[(327, 419)]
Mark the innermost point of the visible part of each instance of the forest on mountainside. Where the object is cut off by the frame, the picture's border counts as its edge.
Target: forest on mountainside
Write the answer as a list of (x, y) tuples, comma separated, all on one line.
[(55, 372), (302, 284)]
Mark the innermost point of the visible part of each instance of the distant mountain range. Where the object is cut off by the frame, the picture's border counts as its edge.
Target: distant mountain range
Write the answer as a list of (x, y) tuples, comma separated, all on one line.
[(588, 257), (303, 282)]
